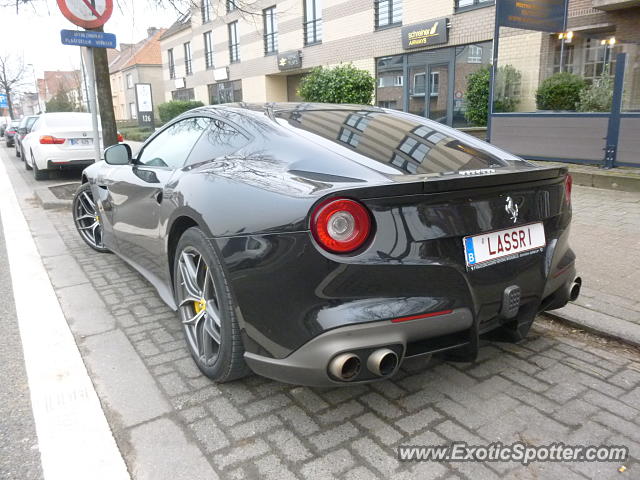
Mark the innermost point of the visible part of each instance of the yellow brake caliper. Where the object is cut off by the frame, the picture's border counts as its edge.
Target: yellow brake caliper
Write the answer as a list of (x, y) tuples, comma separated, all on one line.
[(200, 305)]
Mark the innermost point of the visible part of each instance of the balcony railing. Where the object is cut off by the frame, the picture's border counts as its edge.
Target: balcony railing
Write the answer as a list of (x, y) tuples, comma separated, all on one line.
[(313, 31)]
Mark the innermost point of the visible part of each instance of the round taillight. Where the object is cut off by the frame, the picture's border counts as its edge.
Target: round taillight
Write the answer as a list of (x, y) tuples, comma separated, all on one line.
[(341, 225)]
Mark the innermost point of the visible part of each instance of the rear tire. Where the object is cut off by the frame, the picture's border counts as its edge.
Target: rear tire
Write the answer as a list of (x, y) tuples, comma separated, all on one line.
[(39, 174), (213, 340), (26, 164)]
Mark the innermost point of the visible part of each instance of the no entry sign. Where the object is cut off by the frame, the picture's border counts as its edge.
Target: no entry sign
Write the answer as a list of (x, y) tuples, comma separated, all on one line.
[(86, 13)]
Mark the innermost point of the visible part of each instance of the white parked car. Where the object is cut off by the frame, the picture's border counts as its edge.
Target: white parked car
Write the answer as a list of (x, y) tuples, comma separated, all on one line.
[(57, 141)]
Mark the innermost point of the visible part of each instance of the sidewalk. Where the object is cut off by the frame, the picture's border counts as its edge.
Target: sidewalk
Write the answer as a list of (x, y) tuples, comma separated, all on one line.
[(624, 179), (605, 236)]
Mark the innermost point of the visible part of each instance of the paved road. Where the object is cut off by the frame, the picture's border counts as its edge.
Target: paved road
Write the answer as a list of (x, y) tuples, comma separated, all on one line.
[(170, 422), (19, 457)]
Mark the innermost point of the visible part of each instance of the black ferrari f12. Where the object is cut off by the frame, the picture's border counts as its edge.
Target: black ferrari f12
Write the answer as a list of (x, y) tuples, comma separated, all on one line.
[(324, 244)]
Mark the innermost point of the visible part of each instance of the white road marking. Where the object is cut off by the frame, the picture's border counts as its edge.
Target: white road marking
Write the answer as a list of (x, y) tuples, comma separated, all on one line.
[(74, 438)]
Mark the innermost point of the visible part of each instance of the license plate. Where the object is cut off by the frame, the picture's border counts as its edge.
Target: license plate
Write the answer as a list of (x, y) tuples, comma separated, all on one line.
[(503, 243), (81, 141)]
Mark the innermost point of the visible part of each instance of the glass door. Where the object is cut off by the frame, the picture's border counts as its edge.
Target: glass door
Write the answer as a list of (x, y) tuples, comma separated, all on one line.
[(429, 91), (417, 90), (437, 89)]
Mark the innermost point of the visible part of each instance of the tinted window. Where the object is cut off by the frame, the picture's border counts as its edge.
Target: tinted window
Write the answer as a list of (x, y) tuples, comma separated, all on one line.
[(407, 143), (30, 122), (171, 147), (219, 140)]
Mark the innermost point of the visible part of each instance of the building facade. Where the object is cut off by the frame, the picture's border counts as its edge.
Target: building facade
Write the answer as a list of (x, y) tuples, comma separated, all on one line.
[(136, 63), (68, 82), (421, 53), (261, 54)]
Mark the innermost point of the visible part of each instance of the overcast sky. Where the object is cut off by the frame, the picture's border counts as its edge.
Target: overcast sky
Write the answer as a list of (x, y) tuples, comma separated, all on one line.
[(35, 32)]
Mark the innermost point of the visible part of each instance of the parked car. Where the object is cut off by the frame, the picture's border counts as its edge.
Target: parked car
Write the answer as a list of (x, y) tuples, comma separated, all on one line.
[(58, 141), (24, 127), (10, 132), (325, 244)]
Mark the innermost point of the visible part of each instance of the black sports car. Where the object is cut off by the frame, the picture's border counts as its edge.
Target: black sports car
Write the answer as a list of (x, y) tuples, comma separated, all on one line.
[(324, 244)]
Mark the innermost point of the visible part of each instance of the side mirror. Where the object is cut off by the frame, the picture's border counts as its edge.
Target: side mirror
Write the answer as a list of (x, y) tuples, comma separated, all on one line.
[(119, 154)]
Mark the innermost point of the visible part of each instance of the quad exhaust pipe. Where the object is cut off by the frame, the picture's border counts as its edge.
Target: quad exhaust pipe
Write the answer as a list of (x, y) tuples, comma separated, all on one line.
[(574, 291), (345, 366), (382, 362)]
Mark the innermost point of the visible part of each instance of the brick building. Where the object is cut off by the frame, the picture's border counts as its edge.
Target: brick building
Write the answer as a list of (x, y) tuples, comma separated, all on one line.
[(420, 53)]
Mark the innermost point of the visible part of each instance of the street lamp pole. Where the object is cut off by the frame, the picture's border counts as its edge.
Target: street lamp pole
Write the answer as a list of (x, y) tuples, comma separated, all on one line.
[(35, 82)]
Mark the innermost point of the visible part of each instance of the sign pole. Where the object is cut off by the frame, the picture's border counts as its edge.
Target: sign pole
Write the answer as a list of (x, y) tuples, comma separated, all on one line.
[(493, 71), (93, 104)]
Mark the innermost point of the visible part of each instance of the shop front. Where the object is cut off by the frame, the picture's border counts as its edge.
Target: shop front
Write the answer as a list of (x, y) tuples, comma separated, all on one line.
[(430, 83)]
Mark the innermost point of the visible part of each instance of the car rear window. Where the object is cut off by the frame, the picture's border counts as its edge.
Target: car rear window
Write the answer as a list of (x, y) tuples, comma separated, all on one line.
[(409, 144), (71, 121)]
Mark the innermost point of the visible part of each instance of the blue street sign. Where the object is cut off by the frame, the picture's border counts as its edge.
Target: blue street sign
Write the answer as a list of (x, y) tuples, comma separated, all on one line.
[(86, 38), (3, 101)]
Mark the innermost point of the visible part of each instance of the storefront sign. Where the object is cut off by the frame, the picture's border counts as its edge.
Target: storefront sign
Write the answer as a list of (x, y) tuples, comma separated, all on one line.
[(539, 15), (144, 101), (290, 60), (425, 34)]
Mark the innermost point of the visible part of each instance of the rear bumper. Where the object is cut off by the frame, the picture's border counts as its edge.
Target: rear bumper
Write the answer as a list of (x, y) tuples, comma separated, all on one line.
[(61, 164), (310, 363), (456, 332)]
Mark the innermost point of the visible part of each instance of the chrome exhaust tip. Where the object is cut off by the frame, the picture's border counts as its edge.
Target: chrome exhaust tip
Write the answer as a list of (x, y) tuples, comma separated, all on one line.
[(345, 366), (382, 362), (574, 291)]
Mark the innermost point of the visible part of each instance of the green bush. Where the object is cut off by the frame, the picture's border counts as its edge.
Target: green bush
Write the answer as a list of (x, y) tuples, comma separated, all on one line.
[(477, 97), (172, 109), (136, 134), (561, 91), (341, 84), (506, 93), (598, 96)]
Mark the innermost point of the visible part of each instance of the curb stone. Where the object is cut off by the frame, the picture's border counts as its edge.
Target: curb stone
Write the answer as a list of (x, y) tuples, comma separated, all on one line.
[(598, 323)]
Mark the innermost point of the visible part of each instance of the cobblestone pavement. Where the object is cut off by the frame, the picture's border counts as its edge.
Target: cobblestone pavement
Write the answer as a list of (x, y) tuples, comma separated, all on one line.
[(606, 237), (558, 386)]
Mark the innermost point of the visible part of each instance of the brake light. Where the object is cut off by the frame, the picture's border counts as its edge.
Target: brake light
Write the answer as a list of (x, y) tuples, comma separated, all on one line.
[(120, 138), (568, 184), (11, 130), (341, 225), (50, 140)]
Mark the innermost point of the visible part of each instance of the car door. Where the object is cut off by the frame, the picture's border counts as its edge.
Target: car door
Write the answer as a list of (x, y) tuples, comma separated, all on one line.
[(137, 191)]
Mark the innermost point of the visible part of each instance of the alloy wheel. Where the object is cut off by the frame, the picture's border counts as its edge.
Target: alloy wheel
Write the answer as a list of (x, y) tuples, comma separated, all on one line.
[(199, 306), (87, 219)]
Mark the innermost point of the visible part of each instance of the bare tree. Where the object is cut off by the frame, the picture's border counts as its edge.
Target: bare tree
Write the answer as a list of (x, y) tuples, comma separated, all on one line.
[(219, 8), (12, 71)]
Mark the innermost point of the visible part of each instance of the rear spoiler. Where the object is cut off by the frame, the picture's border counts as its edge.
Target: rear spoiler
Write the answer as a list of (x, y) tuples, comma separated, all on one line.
[(455, 182)]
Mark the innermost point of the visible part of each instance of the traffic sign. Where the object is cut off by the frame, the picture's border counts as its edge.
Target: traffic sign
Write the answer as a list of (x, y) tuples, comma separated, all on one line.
[(86, 13), (3, 101), (86, 38)]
